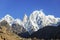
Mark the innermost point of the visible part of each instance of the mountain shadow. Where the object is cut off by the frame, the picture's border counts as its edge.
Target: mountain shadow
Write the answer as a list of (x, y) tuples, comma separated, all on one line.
[(47, 32), (57, 34)]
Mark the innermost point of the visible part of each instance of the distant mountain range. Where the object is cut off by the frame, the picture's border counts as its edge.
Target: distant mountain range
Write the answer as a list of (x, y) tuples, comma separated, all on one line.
[(36, 25)]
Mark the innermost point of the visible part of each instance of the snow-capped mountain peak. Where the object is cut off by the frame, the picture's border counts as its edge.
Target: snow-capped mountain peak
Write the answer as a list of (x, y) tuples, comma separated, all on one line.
[(8, 18), (36, 20)]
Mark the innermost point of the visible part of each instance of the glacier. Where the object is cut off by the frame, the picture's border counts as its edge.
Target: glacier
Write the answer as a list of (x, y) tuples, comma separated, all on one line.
[(34, 22)]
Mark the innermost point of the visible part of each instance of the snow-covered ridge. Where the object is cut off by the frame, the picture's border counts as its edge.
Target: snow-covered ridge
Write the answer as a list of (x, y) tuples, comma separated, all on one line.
[(34, 22)]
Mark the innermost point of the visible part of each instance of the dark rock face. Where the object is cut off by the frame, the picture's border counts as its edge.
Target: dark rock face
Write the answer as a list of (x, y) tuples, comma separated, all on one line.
[(46, 32), (57, 34), (24, 35), (5, 23), (18, 28)]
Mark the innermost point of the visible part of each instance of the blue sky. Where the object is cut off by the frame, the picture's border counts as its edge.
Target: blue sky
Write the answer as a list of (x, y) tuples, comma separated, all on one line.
[(17, 8)]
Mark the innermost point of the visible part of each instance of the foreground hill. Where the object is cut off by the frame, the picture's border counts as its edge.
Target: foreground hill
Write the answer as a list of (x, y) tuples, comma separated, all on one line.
[(7, 33)]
